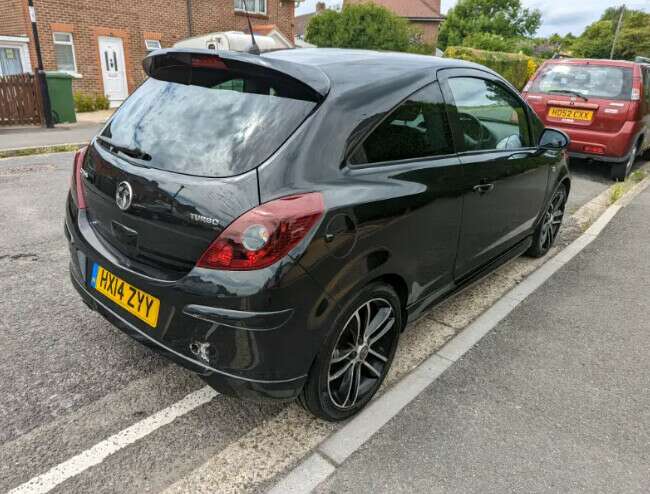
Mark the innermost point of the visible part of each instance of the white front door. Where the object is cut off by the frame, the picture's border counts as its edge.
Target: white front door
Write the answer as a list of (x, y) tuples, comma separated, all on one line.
[(111, 52)]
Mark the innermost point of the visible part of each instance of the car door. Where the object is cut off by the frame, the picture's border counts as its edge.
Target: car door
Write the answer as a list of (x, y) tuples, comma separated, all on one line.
[(504, 174), (411, 175)]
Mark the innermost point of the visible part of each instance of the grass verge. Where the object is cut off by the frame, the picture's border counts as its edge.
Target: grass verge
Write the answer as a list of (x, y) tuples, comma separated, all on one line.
[(620, 189), (59, 148)]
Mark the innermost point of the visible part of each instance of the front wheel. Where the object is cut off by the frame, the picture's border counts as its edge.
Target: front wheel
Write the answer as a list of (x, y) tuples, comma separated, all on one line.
[(548, 229), (356, 357)]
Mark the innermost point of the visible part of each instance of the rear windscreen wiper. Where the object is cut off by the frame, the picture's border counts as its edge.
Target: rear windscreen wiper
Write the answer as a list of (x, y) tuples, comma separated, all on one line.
[(569, 91), (130, 152)]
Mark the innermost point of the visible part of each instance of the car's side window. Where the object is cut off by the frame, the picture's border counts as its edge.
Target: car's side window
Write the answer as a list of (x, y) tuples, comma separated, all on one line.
[(418, 128), (489, 116)]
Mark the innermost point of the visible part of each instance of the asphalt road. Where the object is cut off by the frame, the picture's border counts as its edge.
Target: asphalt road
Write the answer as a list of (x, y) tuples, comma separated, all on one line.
[(69, 380)]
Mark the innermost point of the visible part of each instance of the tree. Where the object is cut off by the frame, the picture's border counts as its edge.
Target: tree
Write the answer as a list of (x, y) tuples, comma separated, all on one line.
[(366, 26), (487, 41), (596, 41), (633, 39), (506, 18)]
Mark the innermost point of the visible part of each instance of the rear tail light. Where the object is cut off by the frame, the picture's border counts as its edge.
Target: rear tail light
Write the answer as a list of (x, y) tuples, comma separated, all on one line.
[(636, 94), (264, 235), (76, 184), (594, 149)]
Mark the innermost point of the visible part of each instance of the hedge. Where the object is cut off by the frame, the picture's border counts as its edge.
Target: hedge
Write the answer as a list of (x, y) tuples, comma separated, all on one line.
[(90, 102), (516, 68)]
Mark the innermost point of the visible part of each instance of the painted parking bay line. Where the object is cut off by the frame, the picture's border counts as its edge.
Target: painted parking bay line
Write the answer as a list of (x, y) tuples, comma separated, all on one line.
[(102, 450)]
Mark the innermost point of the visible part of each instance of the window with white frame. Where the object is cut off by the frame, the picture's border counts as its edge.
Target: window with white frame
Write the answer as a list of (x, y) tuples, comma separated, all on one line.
[(64, 52), (152, 44), (10, 61), (254, 6)]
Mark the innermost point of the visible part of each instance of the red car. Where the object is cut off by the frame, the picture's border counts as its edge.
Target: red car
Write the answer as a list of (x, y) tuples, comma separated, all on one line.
[(603, 105)]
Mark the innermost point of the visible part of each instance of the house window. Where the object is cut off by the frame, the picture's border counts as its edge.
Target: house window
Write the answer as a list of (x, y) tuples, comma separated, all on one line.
[(254, 6), (64, 51), (10, 63), (152, 44)]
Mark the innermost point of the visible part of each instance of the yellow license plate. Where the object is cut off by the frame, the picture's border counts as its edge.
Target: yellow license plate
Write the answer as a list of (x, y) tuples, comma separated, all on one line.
[(572, 114), (133, 300)]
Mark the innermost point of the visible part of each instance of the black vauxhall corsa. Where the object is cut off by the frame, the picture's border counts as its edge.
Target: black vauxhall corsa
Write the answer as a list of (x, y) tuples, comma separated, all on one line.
[(272, 222)]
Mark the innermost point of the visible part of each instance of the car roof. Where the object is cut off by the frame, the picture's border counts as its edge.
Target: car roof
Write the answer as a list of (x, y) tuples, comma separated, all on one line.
[(345, 66), (593, 61)]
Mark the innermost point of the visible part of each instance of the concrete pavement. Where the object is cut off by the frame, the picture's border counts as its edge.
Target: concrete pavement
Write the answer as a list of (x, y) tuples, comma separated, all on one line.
[(88, 124), (555, 399), (16, 138)]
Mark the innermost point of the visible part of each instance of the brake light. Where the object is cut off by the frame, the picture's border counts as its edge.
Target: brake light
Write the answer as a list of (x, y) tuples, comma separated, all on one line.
[(636, 94), (208, 62), (264, 235), (76, 184)]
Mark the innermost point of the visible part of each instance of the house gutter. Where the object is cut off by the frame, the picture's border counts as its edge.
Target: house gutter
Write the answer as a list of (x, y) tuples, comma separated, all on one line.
[(189, 18)]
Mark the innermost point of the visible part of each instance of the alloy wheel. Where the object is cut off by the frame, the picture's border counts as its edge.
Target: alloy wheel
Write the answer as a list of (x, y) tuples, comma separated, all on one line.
[(361, 354), (553, 219)]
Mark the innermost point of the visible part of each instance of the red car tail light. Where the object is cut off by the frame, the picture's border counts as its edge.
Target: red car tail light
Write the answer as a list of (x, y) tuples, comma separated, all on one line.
[(595, 149), (76, 184), (265, 234)]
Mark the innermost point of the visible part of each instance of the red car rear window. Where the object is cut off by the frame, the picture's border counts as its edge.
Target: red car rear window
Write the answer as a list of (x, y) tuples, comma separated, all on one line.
[(591, 81)]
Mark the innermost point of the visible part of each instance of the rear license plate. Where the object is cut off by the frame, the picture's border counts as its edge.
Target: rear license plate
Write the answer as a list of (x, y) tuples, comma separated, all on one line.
[(142, 305), (572, 114)]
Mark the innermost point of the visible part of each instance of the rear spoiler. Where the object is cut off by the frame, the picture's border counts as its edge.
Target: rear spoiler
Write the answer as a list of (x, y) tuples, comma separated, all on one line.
[(161, 60)]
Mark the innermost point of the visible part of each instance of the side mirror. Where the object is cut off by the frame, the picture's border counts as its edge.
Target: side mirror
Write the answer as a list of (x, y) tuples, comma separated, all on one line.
[(553, 139)]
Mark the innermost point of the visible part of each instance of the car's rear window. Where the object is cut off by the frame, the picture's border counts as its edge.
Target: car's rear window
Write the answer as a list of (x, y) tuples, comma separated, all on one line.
[(216, 123), (591, 81)]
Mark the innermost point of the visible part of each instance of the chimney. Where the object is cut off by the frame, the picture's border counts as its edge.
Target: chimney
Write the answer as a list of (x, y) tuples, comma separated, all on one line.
[(320, 6)]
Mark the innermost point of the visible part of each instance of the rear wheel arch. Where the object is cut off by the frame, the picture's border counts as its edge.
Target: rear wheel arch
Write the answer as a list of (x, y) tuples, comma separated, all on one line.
[(398, 283)]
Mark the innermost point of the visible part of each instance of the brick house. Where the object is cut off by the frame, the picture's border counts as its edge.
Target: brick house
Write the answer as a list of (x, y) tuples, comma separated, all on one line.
[(424, 14), (102, 44)]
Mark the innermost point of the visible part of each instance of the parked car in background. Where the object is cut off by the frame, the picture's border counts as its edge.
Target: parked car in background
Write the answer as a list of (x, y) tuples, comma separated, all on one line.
[(234, 41), (272, 223), (603, 105)]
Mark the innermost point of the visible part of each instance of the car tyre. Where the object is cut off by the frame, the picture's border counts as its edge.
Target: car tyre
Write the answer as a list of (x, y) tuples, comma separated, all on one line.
[(356, 356), (620, 171), (548, 228)]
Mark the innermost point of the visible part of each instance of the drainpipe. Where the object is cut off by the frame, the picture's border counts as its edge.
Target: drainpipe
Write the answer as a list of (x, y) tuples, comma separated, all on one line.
[(40, 73), (189, 17)]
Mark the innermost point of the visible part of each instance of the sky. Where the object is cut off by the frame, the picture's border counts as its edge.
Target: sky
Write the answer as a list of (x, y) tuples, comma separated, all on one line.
[(558, 16)]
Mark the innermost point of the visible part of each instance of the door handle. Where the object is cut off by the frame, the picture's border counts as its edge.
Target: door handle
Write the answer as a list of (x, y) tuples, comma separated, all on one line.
[(483, 188), (520, 156)]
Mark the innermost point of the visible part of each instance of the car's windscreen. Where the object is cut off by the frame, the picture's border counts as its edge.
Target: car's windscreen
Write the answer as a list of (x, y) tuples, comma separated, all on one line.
[(217, 126), (590, 81)]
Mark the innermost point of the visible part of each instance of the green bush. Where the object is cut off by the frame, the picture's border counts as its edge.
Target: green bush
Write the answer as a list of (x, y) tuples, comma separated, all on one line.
[(90, 102), (514, 67)]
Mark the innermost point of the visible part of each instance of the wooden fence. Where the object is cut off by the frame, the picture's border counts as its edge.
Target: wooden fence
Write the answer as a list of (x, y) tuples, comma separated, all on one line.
[(19, 100)]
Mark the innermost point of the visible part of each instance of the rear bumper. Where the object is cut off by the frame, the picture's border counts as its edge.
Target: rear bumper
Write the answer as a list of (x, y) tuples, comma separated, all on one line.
[(598, 157), (616, 145), (246, 334)]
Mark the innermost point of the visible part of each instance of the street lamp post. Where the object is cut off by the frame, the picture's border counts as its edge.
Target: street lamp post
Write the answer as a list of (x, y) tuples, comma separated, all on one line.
[(40, 72), (618, 30)]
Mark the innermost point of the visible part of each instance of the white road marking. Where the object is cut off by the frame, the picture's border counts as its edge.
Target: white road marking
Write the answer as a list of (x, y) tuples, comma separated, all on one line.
[(102, 450)]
